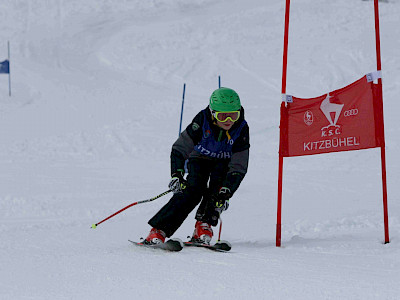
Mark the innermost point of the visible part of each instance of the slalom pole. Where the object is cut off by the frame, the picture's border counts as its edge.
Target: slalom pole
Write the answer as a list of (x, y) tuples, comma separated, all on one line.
[(383, 154), (183, 101), (219, 81), (180, 123), (285, 47), (280, 168), (9, 70), (130, 205)]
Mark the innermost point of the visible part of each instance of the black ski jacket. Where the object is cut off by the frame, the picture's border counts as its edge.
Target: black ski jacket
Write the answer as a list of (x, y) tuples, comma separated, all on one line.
[(183, 148)]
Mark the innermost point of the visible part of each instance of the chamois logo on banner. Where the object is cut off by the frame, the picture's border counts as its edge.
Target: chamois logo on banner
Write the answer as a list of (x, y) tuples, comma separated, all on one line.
[(332, 113), (308, 117)]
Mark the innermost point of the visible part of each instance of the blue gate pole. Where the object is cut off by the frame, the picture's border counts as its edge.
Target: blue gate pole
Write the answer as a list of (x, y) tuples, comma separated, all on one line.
[(219, 82), (183, 101), (9, 70)]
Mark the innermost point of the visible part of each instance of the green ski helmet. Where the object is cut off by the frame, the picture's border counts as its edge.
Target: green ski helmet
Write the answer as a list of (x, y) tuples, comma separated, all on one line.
[(224, 100)]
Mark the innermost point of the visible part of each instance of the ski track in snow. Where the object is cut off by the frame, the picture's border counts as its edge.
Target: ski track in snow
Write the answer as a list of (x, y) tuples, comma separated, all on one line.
[(97, 89)]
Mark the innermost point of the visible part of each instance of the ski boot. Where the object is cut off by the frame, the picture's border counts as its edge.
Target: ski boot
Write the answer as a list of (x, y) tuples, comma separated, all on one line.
[(155, 237), (202, 234)]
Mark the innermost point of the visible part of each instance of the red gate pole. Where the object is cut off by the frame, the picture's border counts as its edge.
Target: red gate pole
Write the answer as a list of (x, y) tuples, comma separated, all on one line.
[(279, 210), (383, 155), (285, 47), (280, 171)]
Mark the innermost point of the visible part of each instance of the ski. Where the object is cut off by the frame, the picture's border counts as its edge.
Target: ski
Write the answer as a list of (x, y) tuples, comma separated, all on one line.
[(220, 246), (173, 245)]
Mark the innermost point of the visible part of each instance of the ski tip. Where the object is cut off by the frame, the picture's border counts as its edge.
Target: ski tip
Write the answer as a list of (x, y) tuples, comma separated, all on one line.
[(224, 242), (223, 245), (177, 240)]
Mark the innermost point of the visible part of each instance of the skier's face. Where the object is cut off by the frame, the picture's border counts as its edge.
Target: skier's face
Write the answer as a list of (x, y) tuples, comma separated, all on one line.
[(226, 125)]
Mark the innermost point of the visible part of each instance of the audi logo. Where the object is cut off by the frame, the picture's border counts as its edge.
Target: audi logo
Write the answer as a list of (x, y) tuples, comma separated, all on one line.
[(351, 112)]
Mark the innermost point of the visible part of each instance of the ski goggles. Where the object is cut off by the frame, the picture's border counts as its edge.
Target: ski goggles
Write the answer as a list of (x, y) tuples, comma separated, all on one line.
[(224, 116)]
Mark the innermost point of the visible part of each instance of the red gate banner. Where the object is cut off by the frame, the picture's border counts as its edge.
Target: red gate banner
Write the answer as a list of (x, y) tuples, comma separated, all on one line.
[(350, 118)]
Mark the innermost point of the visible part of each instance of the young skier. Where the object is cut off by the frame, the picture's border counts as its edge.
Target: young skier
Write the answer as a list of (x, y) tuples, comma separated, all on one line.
[(217, 145)]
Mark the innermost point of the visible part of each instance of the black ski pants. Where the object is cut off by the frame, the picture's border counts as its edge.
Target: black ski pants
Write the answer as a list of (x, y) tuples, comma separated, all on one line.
[(205, 178)]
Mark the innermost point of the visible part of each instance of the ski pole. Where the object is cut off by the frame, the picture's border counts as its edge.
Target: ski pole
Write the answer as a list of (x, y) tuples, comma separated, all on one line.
[(220, 228), (130, 205)]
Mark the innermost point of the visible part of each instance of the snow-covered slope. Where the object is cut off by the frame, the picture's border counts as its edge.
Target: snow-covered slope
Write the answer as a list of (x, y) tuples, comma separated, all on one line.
[(97, 89)]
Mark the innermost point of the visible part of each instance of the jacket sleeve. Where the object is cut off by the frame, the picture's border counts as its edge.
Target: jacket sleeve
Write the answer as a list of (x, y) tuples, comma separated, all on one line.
[(184, 145), (237, 170), (239, 161)]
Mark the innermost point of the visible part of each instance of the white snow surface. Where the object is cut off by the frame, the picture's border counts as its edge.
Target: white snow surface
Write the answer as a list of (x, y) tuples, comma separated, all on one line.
[(96, 98)]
